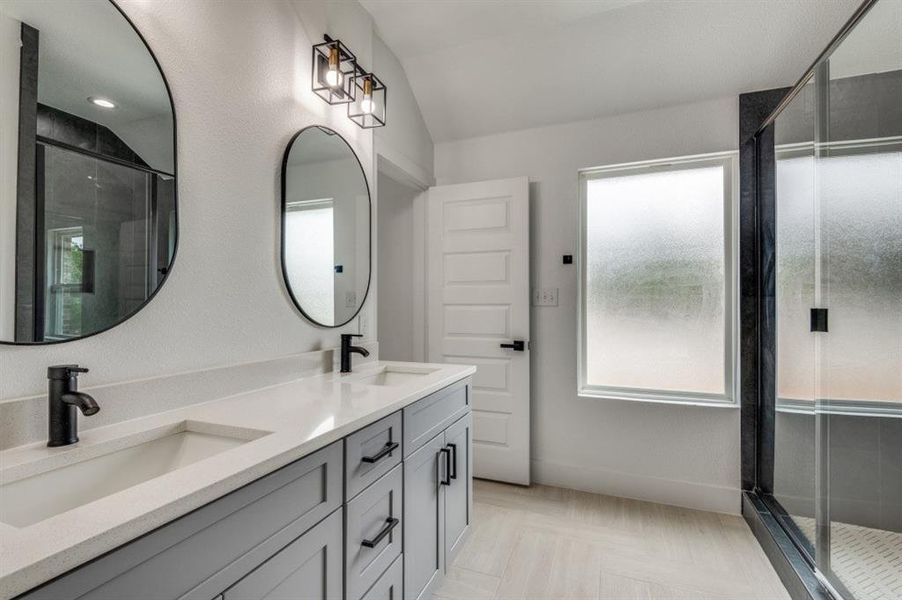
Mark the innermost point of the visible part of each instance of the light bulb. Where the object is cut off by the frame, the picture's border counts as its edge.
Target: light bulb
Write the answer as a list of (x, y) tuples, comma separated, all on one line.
[(333, 75), (333, 78), (367, 105)]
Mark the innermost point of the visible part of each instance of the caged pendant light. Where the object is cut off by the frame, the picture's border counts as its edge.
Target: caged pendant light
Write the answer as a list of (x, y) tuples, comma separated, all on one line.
[(368, 108), (334, 68)]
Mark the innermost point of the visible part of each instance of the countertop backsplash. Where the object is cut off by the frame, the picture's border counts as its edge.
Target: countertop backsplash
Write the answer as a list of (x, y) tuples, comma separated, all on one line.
[(24, 420)]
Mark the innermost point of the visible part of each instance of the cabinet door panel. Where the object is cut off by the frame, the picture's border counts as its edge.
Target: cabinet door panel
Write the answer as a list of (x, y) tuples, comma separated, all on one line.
[(307, 569), (458, 495), (424, 509), (367, 517)]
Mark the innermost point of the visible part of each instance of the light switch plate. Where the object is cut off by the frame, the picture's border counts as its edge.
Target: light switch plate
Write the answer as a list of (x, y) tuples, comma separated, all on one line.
[(544, 296)]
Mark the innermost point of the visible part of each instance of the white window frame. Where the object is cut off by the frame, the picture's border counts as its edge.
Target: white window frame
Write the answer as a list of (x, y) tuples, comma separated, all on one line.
[(729, 162)]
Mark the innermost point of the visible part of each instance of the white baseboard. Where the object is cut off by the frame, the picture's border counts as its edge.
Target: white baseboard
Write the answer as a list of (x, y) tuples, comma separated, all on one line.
[(687, 494)]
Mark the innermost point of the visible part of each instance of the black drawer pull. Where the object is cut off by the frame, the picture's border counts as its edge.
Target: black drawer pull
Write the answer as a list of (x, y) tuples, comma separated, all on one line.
[(447, 454), (453, 460), (386, 450), (390, 523)]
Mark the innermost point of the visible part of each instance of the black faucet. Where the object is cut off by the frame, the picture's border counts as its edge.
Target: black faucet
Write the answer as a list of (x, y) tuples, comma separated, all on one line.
[(347, 348), (64, 398)]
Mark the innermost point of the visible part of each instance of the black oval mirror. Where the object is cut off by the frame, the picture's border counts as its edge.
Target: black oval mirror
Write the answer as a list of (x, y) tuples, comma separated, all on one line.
[(89, 223), (325, 227)]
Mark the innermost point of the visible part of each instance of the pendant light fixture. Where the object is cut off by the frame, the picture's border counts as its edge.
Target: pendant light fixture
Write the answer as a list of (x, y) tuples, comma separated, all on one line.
[(338, 79), (370, 95), (334, 67)]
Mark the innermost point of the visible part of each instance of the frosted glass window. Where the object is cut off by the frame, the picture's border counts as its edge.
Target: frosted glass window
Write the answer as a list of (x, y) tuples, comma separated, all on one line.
[(309, 255), (656, 272)]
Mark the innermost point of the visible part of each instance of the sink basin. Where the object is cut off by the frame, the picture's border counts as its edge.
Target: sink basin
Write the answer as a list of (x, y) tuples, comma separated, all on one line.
[(120, 464), (392, 375)]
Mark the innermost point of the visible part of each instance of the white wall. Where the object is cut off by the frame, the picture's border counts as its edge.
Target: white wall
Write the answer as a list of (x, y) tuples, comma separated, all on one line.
[(151, 139), (239, 74), (405, 140), (397, 293), (668, 453)]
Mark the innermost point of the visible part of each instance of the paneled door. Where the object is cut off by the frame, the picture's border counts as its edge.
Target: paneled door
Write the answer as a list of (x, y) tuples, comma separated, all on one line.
[(478, 312)]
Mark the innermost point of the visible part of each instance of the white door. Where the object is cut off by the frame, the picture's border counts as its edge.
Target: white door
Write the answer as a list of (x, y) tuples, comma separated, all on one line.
[(478, 303)]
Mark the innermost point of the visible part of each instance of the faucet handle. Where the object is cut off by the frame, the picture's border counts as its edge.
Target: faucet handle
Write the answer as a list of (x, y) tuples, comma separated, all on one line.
[(64, 371), (351, 335)]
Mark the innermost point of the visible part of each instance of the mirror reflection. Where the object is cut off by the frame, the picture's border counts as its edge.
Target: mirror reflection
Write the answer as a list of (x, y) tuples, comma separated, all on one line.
[(87, 193), (325, 227)]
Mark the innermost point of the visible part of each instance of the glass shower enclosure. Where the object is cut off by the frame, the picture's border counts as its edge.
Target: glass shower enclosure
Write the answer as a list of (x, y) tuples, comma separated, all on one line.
[(835, 443)]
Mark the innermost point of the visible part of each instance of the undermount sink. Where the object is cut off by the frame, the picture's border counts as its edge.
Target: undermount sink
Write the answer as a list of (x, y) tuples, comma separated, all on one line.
[(392, 375), (112, 467)]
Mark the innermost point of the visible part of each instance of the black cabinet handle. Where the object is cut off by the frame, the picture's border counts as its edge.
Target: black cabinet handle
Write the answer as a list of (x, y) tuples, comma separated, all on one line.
[(453, 460), (447, 454), (386, 450), (390, 523), (517, 345)]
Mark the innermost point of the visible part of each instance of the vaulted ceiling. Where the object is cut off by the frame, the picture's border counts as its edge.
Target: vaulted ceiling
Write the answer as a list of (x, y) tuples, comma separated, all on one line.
[(479, 67)]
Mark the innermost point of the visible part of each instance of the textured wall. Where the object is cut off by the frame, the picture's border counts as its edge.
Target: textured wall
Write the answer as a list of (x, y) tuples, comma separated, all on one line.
[(239, 74)]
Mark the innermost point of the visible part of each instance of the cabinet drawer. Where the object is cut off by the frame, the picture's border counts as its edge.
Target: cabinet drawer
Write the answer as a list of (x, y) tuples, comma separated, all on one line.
[(426, 418), (389, 586), (374, 532), (369, 454), (204, 552), (308, 568)]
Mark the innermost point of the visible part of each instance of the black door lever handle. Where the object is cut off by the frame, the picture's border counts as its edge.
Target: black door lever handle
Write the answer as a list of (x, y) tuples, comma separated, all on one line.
[(517, 345)]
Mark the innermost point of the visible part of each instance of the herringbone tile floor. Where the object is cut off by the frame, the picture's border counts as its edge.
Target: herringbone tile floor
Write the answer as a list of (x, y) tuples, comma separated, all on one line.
[(550, 543)]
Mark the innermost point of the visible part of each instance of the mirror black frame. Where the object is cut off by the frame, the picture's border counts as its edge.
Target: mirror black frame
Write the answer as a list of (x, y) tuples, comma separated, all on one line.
[(175, 192), (282, 205)]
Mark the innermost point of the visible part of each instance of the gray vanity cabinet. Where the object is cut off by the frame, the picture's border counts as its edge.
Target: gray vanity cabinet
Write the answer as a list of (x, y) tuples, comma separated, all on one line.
[(309, 568), (424, 523), (437, 500), (352, 521)]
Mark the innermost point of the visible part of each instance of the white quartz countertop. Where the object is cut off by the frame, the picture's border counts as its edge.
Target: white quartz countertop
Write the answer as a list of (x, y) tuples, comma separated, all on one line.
[(296, 418)]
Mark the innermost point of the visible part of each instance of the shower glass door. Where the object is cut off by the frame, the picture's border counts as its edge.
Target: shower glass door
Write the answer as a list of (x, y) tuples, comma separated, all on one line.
[(797, 292), (838, 422), (859, 411)]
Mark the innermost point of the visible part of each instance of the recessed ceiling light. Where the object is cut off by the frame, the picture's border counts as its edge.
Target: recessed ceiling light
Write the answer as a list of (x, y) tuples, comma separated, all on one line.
[(101, 102)]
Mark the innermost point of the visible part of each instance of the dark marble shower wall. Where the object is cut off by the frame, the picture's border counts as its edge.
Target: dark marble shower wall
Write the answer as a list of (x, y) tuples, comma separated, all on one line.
[(756, 285), (74, 131), (861, 108)]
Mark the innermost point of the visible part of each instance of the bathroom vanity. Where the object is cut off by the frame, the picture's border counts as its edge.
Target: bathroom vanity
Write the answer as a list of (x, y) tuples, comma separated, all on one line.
[(349, 486)]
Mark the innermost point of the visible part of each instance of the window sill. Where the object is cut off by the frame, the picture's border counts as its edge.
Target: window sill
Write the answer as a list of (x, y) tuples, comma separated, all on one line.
[(651, 398)]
